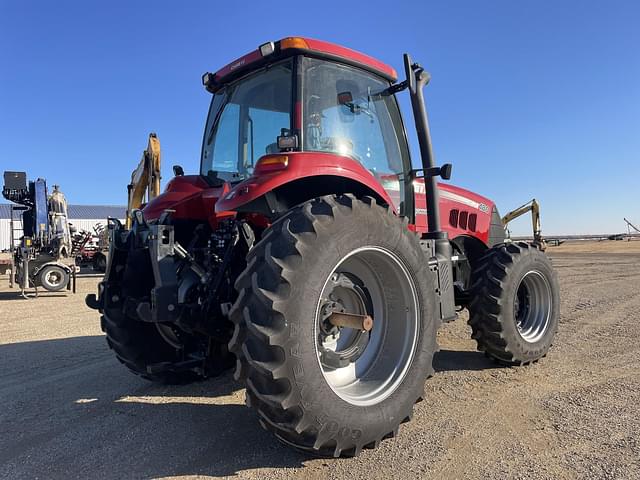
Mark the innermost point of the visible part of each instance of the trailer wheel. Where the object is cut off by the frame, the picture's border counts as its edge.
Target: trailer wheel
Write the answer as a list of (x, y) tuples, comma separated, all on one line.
[(321, 388), (53, 278), (515, 303)]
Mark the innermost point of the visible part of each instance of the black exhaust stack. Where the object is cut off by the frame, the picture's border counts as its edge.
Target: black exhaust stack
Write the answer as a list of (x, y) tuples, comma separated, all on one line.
[(417, 79)]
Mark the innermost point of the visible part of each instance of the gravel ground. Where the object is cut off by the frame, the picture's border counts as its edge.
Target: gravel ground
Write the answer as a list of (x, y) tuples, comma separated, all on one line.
[(70, 410)]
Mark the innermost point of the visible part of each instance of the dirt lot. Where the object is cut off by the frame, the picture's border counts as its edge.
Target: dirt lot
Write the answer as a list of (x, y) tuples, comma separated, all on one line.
[(68, 409)]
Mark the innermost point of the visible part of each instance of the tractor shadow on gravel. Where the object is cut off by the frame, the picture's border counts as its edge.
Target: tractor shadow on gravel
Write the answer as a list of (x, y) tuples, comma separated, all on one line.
[(455, 360), (185, 437), (15, 295), (70, 410)]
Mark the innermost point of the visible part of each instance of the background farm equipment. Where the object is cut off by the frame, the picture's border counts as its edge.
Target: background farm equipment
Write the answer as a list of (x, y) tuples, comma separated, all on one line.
[(145, 179), (533, 207), (101, 244), (41, 247), (631, 228), (82, 247), (92, 248)]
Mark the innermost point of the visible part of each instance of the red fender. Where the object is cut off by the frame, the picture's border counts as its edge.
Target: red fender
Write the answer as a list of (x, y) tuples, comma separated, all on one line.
[(299, 165)]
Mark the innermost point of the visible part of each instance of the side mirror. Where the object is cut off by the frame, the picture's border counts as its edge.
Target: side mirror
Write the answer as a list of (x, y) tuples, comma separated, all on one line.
[(408, 71), (445, 171), (178, 171), (415, 73)]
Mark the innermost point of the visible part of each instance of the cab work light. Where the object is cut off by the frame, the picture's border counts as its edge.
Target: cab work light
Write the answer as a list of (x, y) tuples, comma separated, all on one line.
[(267, 48), (287, 142), (208, 80)]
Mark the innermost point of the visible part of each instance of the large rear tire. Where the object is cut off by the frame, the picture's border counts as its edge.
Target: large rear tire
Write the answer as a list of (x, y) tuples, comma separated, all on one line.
[(515, 303), (326, 390), (139, 345)]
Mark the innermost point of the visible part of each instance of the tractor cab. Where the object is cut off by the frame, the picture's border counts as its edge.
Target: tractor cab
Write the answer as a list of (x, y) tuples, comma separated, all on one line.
[(297, 97)]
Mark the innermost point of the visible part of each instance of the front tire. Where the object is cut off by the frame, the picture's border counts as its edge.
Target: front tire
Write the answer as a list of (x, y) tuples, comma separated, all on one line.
[(515, 303), (326, 390)]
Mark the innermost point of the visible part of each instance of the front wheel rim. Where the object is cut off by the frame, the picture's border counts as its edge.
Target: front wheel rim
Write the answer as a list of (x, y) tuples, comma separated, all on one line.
[(372, 365), (532, 306)]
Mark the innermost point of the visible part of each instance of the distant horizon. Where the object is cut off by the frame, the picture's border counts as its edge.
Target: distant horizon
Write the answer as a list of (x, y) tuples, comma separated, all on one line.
[(513, 235)]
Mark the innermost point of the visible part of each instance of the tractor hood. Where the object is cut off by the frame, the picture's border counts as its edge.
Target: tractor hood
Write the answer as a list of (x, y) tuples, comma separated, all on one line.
[(190, 196)]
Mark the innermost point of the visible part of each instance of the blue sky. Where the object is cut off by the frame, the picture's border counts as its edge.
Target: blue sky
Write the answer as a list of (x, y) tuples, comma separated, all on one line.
[(527, 98)]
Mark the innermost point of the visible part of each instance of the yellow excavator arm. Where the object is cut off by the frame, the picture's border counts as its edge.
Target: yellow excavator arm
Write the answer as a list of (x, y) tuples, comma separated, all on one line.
[(145, 179), (533, 207)]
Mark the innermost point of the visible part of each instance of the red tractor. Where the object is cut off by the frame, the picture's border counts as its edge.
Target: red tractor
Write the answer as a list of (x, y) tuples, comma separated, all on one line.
[(310, 252)]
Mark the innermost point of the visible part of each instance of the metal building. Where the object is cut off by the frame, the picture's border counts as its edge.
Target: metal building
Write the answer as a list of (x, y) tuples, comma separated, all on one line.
[(81, 217)]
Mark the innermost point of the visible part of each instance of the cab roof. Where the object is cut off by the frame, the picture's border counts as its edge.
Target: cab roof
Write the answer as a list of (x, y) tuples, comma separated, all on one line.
[(290, 46)]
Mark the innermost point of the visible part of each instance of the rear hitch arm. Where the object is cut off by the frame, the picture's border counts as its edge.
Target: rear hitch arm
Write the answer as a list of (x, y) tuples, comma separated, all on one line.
[(164, 296)]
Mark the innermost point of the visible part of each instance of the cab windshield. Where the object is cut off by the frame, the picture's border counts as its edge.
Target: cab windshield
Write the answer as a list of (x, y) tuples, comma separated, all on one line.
[(349, 112), (244, 122)]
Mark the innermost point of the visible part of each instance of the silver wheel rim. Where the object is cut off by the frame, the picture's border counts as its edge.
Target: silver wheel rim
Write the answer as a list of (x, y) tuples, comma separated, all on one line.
[(53, 278), (532, 306), (384, 289)]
